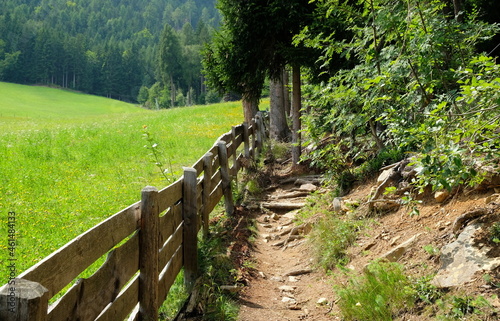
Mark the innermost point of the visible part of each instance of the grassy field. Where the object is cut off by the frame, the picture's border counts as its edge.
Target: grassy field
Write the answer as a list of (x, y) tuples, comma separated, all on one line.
[(69, 160)]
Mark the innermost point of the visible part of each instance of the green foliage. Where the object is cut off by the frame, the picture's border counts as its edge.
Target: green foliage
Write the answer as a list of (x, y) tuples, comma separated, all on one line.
[(416, 85), (217, 269), (379, 294), (331, 235), (431, 250), (443, 168), (177, 296), (425, 291), (460, 307), (495, 232)]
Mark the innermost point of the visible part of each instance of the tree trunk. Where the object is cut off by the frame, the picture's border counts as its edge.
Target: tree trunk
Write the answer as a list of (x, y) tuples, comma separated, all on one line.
[(278, 127), (286, 94), (250, 108), (296, 106), (457, 7)]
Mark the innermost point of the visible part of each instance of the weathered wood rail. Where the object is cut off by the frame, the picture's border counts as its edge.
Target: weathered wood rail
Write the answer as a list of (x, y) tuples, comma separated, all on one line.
[(147, 245)]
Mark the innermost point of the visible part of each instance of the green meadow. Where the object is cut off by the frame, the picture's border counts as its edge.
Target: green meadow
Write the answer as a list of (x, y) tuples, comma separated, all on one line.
[(68, 160)]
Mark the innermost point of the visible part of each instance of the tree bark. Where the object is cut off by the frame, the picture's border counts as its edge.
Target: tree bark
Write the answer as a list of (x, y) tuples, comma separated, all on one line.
[(296, 106), (250, 108), (278, 127), (286, 94), (457, 7)]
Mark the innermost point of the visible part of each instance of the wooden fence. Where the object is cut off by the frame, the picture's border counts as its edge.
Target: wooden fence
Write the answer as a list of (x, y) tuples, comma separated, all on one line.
[(147, 244)]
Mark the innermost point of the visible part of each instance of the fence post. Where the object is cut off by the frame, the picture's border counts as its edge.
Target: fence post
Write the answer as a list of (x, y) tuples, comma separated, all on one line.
[(148, 255), (226, 180), (235, 154), (246, 140), (190, 231), (23, 300), (207, 189)]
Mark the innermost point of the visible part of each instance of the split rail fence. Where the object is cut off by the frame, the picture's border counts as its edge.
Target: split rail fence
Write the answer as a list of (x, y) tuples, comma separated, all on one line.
[(147, 245)]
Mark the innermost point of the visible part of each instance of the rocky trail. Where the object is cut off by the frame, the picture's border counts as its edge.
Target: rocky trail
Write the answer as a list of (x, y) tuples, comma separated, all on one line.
[(285, 284)]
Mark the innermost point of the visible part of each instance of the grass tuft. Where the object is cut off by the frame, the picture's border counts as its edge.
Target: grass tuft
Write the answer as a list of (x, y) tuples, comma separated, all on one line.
[(379, 294)]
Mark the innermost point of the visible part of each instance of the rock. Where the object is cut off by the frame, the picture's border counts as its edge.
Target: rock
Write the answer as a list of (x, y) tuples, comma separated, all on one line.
[(396, 253), (308, 187), (384, 176), (292, 278), (287, 288), (262, 275), (277, 279), (275, 217), (286, 299), (441, 196), (267, 237), (337, 204), (322, 301), (460, 260)]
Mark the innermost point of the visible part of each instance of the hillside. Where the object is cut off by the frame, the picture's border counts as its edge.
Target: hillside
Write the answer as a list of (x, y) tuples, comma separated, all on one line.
[(444, 275), (36, 102)]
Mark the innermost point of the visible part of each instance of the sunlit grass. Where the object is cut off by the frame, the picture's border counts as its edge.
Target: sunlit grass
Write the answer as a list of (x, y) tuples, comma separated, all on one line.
[(62, 176)]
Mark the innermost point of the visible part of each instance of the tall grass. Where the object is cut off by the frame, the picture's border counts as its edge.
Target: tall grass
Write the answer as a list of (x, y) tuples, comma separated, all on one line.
[(379, 294), (63, 176)]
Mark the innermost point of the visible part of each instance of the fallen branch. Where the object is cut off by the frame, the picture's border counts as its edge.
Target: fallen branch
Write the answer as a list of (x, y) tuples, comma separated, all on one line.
[(293, 195), (299, 272), (289, 238), (283, 206), (383, 200), (303, 178)]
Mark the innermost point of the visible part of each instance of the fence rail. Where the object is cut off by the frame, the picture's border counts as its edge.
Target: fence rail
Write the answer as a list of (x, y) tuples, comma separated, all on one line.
[(147, 244)]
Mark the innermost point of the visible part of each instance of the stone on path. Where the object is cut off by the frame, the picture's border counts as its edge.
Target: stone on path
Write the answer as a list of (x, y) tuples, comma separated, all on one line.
[(396, 253)]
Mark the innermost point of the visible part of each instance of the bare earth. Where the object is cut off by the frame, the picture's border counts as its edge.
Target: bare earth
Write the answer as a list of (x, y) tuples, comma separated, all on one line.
[(272, 294)]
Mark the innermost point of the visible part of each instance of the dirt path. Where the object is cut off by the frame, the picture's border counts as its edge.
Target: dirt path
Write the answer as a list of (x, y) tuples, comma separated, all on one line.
[(286, 285)]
